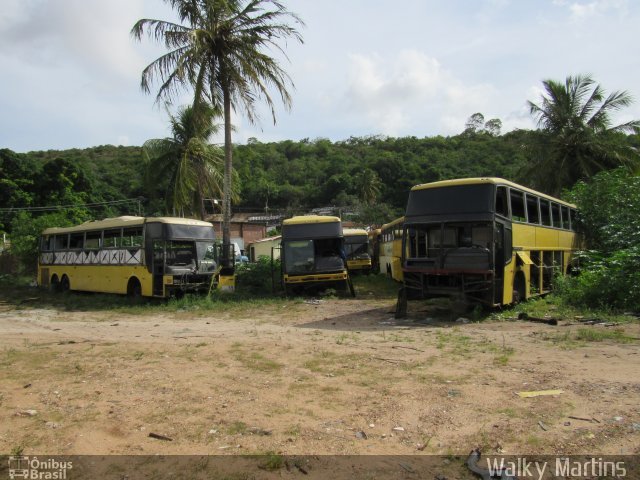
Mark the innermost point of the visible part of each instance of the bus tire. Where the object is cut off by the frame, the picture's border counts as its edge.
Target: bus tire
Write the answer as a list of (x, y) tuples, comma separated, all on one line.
[(54, 284), (134, 289), (65, 285), (519, 290)]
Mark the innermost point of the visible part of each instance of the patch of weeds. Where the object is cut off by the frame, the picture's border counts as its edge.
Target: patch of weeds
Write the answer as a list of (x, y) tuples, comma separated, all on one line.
[(18, 450), (579, 338), (237, 428), (509, 412), (502, 359), (271, 461), (375, 286), (138, 355), (293, 430), (201, 344), (598, 335), (457, 343), (534, 441)]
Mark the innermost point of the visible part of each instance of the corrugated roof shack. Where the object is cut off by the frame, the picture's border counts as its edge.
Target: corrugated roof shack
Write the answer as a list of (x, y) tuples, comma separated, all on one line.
[(246, 228), (264, 248)]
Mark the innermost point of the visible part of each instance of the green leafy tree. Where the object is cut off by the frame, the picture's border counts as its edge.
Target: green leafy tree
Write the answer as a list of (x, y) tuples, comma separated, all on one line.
[(221, 53), (576, 138), (608, 219), (26, 230), (193, 165)]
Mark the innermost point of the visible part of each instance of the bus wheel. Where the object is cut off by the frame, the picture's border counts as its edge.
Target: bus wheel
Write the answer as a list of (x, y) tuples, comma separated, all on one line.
[(54, 285), (134, 289), (519, 292), (64, 284)]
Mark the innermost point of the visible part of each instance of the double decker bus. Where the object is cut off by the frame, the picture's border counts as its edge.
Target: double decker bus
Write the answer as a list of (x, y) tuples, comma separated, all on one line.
[(390, 249), (313, 255), (356, 246), (138, 256), (487, 240)]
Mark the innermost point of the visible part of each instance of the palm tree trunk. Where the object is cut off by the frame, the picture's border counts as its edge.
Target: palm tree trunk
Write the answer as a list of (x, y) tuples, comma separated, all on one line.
[(226, 183)]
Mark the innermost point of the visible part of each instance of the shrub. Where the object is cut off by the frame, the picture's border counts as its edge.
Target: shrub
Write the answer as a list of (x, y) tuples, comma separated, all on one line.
[(257, 277)]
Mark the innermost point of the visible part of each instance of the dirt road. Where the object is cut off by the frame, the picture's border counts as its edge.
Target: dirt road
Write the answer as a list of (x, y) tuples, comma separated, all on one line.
[(336, 377)]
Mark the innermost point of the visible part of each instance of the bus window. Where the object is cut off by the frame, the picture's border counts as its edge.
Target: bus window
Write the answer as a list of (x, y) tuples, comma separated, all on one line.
[(132, 237), (61, 242), (111, 238), (501, 202), (533, 213), (76, 240), (565, 218), (93, 240), (46, 243), (517, 206), (545, 212), (555, 214)]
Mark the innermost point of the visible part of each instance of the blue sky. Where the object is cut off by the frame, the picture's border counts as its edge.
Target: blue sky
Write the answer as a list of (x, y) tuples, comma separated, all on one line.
[(70, 70)]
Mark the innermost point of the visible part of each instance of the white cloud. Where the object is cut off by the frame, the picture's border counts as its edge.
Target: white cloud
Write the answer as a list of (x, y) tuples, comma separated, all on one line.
[(580, 11), (410, 92)]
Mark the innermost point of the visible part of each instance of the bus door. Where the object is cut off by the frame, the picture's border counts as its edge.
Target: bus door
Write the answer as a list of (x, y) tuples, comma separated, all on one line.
[(502, 256), (157, 269)]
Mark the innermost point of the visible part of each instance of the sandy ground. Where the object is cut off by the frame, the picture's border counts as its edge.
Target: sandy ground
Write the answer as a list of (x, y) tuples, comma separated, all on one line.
[(337, 377)]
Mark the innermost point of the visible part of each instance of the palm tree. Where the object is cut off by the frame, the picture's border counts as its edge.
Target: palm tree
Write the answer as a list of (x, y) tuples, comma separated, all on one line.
[(369, 185), (193, 165), (220, 53), (575, 138)]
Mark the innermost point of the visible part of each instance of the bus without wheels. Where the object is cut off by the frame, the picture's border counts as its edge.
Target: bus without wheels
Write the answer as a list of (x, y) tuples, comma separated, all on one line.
[(313, 255), (356, 246), (390, 249), (137, 256), (487, 241)]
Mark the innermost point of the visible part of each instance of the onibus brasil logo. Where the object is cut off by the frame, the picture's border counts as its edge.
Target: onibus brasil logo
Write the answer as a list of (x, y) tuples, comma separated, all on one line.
[(32, 468)]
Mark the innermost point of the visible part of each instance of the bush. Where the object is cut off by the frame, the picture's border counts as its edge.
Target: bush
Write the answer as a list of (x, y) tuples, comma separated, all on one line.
[(257, 277), (605, 281), (609, 222)]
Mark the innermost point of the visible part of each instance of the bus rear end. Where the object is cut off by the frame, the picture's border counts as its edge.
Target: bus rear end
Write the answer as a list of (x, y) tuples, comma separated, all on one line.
[(450, 243)]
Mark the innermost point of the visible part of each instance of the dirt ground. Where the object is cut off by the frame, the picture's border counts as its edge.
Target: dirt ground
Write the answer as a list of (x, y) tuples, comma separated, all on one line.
[(334, 376)]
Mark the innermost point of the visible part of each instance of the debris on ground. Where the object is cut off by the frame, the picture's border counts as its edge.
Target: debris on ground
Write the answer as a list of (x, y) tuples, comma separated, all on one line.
[(584, 419), (462, 320), (26, 413), (398, 429), (259, 431), (361, 435), (157, 436), (539, 393), (548, 321)]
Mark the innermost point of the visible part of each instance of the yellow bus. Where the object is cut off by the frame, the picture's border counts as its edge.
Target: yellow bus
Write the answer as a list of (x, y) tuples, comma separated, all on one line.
[(313, 255), (488, 240), (390, 249), (138, 256), (356, 246)]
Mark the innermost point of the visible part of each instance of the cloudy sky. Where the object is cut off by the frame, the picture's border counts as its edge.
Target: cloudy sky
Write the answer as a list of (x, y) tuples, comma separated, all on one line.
[(70, 71)]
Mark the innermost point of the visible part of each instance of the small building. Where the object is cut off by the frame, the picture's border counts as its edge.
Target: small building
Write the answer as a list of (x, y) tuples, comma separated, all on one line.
[(264, 247), (246, 228)]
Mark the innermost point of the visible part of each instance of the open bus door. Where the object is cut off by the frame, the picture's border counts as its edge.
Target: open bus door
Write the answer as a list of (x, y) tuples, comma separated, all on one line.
[(224, 278)]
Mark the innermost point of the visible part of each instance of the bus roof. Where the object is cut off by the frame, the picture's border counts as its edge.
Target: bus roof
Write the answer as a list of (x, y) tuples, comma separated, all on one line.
[(125, 221), (493, 180), (352, 232), (310, 219)]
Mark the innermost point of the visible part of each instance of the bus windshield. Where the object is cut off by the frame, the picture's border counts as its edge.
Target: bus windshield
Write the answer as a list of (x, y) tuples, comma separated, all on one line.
[(359, 248), (474, 198), (306, 256)]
